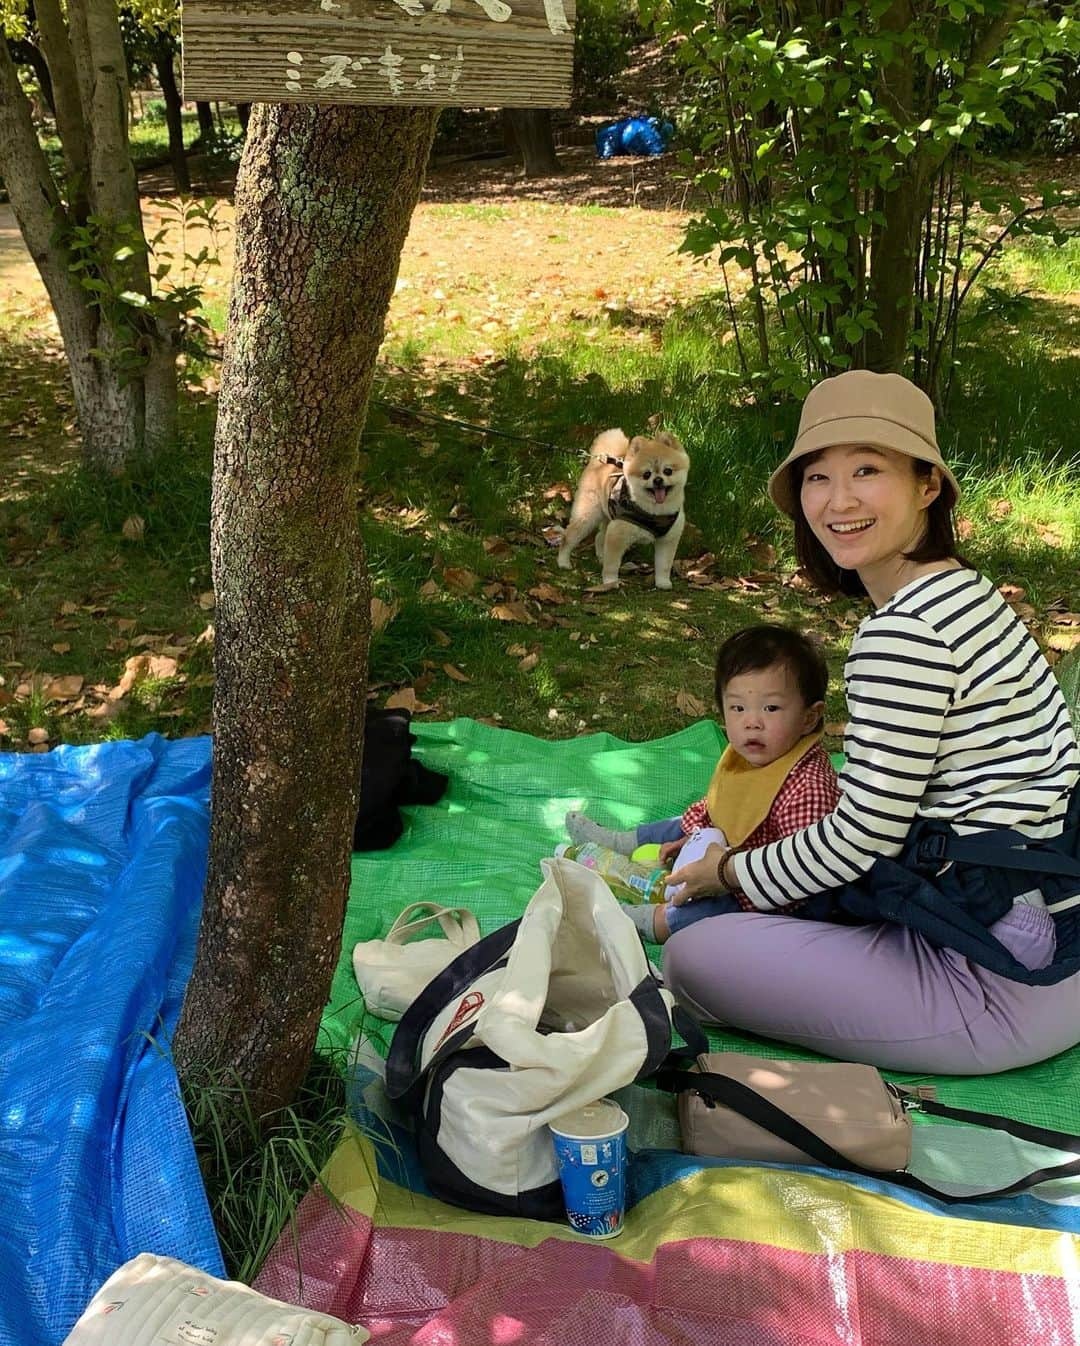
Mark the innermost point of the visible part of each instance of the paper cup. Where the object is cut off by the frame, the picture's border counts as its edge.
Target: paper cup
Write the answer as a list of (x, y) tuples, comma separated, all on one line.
[(590, 1146)]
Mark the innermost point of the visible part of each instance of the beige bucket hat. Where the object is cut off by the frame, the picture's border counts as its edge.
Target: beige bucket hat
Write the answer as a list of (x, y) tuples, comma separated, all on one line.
[(883, 411)]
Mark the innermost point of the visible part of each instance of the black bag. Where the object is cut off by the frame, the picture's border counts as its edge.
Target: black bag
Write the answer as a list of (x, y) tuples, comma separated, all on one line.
[(389, 778)]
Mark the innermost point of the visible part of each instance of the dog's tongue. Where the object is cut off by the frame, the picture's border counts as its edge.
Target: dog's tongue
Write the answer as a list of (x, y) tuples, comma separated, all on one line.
[(659, 494)]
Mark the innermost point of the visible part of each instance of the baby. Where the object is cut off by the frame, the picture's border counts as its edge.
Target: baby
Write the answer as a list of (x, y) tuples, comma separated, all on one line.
[(773, 778)]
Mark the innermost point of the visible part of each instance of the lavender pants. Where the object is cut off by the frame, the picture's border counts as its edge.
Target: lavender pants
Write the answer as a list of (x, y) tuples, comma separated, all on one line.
[(876, 993)]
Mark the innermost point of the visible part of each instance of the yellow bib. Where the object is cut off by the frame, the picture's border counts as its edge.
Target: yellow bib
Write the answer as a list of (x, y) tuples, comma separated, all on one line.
[(740, 795)]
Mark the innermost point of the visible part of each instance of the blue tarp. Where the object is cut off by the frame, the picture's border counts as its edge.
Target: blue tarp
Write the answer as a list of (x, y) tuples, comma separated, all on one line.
[(633, 135), (102, 861)]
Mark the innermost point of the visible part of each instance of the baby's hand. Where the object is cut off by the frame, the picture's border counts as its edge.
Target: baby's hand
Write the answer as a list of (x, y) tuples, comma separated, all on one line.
[(670, 849)]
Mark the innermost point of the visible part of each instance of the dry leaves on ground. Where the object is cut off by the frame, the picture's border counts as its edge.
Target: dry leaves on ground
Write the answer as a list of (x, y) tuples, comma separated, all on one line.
[(513, 612), (691, 705), (406, 699)]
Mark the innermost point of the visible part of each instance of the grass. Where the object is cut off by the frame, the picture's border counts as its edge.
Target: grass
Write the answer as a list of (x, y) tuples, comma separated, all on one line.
[(454, 519), (256, 1168)]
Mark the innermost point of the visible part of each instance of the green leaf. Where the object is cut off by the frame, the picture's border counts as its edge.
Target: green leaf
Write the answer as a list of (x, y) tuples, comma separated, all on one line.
[(133, 298)]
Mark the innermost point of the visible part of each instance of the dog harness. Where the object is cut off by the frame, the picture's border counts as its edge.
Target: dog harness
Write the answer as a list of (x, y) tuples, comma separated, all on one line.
[(621, 506)]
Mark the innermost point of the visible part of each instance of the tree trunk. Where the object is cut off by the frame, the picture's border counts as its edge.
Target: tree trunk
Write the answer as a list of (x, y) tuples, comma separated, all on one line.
[(532, 133), (891, 287), (205, 114), (321, 218), (164, 50), (122, 369), (26, 53)]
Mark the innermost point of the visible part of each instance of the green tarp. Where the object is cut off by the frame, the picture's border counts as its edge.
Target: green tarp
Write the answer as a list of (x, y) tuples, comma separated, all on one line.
[(481, 847)]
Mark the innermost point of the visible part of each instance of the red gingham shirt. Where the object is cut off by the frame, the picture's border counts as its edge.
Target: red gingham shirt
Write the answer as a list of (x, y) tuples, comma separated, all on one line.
[(809, 793)]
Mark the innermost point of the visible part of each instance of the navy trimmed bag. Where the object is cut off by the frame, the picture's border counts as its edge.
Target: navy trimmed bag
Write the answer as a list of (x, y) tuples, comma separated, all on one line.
[(952, 888)]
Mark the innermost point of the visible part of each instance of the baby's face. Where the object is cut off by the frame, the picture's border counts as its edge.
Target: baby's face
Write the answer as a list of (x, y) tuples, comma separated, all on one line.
[(765, 714)]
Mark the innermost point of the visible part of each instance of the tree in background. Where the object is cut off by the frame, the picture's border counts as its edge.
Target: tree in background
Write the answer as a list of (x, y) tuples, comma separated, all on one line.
[(841, 144), (150, 30), (323, 204), (83, 227)]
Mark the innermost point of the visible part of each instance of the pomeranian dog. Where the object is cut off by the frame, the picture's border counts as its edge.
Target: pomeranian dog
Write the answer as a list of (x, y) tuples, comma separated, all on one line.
[(631, 491)]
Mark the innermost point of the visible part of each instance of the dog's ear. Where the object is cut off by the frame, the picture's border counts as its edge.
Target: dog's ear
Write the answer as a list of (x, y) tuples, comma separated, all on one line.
[(666, 437)]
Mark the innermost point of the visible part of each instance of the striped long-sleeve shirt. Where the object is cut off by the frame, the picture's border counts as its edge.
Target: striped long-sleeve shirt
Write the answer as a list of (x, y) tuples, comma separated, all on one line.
[(953, 713)]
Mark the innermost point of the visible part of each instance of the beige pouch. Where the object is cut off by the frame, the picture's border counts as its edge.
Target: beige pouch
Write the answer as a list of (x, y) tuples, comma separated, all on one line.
[(849, 1107), (157, 1301)]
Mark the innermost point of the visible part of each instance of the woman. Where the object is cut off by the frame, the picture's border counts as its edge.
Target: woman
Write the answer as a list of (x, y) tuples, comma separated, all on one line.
[(957, 736)]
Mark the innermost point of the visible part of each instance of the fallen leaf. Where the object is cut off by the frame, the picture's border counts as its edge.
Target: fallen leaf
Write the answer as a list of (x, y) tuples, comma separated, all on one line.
[(4, 728), (517, 651), (497, 589), (1000, 509), (690, 705), (440, 637), (1053, 537), (553, 534), (459, 580), (161, 666), (837, 728), (602, 588), (497, 546), (455, 673), (428, 589), (382, 614), (763, 554), (68, 607), (134, 669), (61, 647), (561, 490), (206, 601), (964, 529), (1063, 641), (529, 662), (547, 593), (38, 735), (513, 612), (1024, 611), (124, 623), (134, 528), (64, 689), (406, 699), (1012, 593), (206, 636)]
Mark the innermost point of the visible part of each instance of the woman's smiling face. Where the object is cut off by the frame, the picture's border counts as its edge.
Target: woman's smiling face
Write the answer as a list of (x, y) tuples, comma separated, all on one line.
[(867, 507)]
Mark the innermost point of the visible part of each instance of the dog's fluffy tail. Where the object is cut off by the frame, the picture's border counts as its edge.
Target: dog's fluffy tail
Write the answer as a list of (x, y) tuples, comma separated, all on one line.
[(610, 444)]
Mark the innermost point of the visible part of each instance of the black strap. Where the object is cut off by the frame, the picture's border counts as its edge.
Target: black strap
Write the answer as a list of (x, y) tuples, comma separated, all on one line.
[(740, 1098), (402, 1062), (1025, 854)]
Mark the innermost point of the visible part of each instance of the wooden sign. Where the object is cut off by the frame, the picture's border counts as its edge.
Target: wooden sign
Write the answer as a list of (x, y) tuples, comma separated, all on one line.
[(454, 53)]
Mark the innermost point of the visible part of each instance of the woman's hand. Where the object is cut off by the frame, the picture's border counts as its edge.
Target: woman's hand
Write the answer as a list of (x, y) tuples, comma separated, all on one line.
[(670, 849), (699, 877)]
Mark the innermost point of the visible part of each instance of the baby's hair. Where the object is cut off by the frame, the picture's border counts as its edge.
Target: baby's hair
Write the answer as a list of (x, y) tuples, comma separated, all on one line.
[(759, 647)]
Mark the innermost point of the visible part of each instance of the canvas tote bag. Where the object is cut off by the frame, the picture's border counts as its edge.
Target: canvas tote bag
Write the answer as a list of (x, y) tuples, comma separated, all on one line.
[(393, 971), (547, 1014)]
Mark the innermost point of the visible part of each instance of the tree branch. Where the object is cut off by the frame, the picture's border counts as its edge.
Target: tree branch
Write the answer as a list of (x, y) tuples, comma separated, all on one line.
[(70, 125)]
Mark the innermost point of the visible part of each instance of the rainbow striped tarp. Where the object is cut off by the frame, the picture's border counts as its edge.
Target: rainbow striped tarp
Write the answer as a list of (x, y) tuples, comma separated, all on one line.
[(712, 1252)]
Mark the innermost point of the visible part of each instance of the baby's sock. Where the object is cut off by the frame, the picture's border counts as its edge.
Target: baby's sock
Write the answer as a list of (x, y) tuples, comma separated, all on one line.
[(644, 918), (582, 829)]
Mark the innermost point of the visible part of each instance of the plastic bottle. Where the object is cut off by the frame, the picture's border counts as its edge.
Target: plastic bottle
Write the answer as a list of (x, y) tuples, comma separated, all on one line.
[(629, 881)]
